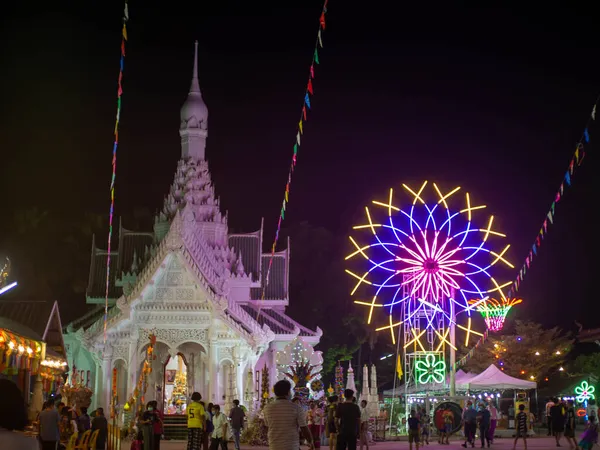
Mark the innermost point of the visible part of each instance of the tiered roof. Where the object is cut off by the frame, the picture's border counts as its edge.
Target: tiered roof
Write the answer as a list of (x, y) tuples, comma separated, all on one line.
[(214, 254)]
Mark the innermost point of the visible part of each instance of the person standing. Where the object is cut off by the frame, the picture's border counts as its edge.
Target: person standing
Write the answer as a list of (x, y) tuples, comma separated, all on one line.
[(493, 421), (330, 425), (440, 424), (196, 422), (157, 425), (313, 418), (49, 427), (570, 424), (283, 418), (364, 425), (236, 415), (219, 435), (549, 406), (425, 426), (414, 429), (558, 420), (100, 423), (484, 425), (348, 421), (470, 419), (521, 424)]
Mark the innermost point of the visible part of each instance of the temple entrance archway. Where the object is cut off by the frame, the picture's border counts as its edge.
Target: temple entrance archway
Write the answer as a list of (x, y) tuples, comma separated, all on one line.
[(184, 372)]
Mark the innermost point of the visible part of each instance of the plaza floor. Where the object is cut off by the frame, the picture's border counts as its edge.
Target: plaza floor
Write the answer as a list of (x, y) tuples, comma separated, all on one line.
[(504, 444)]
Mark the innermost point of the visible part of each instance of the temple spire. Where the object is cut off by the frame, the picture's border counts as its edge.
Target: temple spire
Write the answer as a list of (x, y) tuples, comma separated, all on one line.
[(195, 86)]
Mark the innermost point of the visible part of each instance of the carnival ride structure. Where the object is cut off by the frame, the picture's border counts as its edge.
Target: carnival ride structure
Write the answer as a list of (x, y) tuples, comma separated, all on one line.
[(428, 262)]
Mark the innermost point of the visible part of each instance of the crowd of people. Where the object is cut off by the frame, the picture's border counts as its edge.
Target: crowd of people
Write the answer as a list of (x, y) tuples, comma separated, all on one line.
[(561, 420)]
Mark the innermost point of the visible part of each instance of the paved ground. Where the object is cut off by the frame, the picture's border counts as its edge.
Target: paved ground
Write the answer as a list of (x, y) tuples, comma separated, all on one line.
[(504, 444)]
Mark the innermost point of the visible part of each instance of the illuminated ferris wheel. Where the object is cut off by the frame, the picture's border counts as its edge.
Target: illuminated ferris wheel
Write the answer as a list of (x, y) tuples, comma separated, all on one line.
[(424, 264)]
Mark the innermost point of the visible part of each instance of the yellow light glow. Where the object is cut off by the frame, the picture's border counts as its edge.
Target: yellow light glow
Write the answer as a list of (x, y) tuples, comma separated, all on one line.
[(444, 197), (388, 205), (499, 257), (360, 280), (416, 195), (359, 249), (470, 208)]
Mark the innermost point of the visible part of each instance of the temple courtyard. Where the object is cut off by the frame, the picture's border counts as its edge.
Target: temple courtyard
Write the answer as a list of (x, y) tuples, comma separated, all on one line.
[(537, 443)]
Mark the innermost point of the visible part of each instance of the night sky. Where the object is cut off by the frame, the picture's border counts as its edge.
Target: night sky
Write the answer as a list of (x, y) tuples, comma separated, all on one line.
[(486, 97)]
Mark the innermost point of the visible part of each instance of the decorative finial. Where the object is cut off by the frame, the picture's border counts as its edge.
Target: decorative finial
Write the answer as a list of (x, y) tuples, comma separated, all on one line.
[(195, 87)]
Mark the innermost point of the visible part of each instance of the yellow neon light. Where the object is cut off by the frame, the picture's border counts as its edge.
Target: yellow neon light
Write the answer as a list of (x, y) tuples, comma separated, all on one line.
[(416, 195), (470, 208), (358, 250), (388, 205), (360, 280), (499, 257), (444, 197)]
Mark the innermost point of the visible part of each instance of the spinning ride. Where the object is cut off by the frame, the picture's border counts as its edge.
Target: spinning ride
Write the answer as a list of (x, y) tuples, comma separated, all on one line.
[(426, 264)]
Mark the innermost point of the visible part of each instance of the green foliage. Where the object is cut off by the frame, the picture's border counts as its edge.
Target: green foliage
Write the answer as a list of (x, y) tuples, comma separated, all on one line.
[(587, 365), (530, 351), (336, 353)]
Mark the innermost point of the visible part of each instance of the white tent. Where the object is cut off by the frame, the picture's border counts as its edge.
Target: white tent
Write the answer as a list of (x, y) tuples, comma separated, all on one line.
[(494, 378)]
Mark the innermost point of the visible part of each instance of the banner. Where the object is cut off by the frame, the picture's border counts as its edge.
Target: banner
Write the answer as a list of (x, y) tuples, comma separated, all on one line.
[(306, 106)]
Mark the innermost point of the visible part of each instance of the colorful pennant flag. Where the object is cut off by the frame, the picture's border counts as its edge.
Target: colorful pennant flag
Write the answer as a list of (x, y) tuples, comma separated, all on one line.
[(309, 92), (575, 162), (114, 160)]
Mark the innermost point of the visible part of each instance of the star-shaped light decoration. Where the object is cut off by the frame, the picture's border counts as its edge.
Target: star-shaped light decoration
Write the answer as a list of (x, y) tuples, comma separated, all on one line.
[(432, 369), (585, 392)]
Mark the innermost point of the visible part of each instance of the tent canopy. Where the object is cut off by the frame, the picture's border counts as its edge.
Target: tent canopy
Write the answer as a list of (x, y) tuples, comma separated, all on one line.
[(494, 378)]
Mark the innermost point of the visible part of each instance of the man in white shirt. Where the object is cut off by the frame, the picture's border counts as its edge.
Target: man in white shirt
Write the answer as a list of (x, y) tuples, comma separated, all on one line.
[(364, 425), (219, 434), (283, 418)]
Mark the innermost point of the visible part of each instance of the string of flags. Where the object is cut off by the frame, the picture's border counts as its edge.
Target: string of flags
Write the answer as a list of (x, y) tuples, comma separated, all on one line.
[(306, 106), (462, 361), (576, 161), (114, 159)]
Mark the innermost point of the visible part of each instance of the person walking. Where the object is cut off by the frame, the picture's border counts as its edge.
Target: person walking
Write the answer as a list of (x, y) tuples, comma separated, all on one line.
[(236, 415), (196, 422), (470, 419), (348, 421), (219, 434), (521, 425), (493, 421), (484, 418), (284, 418), (49, 427), (570, 424), (313, 419), (557, 418), (549, 405)]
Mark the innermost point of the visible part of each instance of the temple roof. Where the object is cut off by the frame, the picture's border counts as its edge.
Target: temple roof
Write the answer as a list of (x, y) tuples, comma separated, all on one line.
[(39, 320), (277, 321)]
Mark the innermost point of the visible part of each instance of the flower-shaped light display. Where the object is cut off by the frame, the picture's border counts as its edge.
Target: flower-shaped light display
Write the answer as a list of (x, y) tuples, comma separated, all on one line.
[(585, 392), (432, 369)]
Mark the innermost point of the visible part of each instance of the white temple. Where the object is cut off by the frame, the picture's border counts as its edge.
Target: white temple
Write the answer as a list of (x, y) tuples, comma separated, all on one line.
[(193, 285)]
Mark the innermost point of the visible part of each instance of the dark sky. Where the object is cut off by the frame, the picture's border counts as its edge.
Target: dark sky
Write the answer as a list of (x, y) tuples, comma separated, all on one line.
[(487, 97)]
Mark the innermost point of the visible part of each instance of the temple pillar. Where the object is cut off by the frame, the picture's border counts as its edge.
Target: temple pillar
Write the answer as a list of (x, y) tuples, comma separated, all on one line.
[(106, 377), (213, 369)]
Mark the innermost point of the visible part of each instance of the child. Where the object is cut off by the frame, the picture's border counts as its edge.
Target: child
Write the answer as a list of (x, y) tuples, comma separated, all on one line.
[(414, 430), (590, 435), (521, 425), (448, 425)]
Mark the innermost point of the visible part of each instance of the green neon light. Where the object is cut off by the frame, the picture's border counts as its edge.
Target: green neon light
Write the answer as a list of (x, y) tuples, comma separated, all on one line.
[(585, 392), (432, 369)]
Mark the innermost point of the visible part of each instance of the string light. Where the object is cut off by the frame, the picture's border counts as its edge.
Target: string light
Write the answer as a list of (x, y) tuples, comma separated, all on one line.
[(114, 161)]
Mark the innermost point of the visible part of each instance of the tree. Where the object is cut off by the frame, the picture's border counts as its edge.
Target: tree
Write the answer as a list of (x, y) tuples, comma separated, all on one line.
[(531, 352), (586, 365)]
